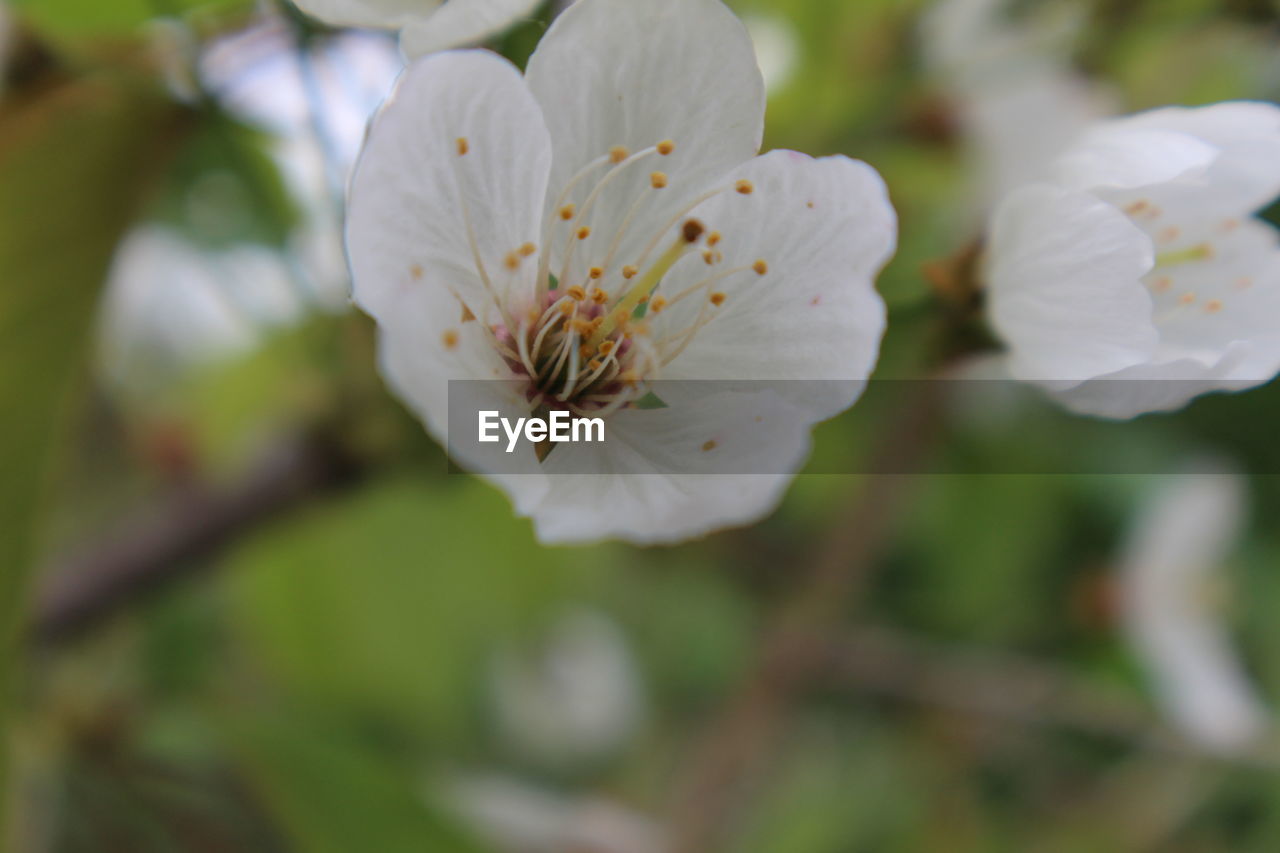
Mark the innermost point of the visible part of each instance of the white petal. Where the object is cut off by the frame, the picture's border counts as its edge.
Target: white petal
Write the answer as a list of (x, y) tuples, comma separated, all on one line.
[(1065, 287), (420, 213), (633, 74), (460, 23), (1182, 537), (824, 228), (663, 475), (1116, 156), (1164, 386), (381, 14)]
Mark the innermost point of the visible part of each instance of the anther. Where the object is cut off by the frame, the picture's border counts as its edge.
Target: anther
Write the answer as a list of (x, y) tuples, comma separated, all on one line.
[(692, 230), (528, 249), (745, 187), (595, 272), (576, 293), (463, 146), (713, 238), (415, 272), (1186, 298), (584, 232), (566, 308), (666, 147), (581, 326), (658, 180), (593, 365), (449, 339), (717, 299), (761, 267), (566, 212), (1213, 306), (618, 153), (629, 272), (709, 256), (599, 297), (606, 347), (658, 303), (512, 261), (709, 446)]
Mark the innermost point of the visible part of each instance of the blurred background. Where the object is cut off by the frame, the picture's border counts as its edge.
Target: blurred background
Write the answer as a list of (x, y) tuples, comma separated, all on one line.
[(249, 609)]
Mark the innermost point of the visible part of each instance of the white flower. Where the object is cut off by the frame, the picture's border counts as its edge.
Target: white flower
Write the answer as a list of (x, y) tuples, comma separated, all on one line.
[(1139, 278), (577, 697), (623, 166), (1018, 101), (1175, 550), (425, 26)]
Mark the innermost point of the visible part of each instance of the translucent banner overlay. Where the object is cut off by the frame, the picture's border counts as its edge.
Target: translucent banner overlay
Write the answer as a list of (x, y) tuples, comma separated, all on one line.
[(779, 427)]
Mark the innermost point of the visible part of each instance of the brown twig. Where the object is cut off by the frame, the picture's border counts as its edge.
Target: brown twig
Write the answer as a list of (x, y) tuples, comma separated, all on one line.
[(746, 727), (168, 541)]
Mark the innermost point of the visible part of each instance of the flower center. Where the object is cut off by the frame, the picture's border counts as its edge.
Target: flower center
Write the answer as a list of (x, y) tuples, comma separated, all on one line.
[(588, 345)]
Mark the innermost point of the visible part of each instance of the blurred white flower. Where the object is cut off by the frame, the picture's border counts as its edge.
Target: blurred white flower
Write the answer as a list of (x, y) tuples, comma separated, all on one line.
[(777, 48), (1174, 556), (1018, 100), (620, 170), (1138, 277), (515, 817), (574, 697), (425, 26), (170, 304)]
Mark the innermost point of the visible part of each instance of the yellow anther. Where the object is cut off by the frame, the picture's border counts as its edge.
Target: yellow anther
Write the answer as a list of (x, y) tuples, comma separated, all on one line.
[(709, 256), (618, 153), (463, 146), (713, 238), (527, 249), (581, 326), (415, 272), (1186, 298), (717, 299), (576, 293), (629, 272), (745, 187), (595, 272), (658, 180), (593, 365), (511, 261), (597, 322), (449, 339), (567, 212), (657, 304), (606, 347), (665, 147), (761, 267), (709, 445), (584, 351), (584, 232), (566, 308), (1213, 306), (599, 297)]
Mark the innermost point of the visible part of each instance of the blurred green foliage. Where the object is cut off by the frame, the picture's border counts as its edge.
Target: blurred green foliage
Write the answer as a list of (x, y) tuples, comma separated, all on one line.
[(307, 690)]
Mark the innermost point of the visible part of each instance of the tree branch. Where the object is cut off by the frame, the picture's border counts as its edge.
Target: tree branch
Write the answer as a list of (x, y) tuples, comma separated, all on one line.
[(172, 539)]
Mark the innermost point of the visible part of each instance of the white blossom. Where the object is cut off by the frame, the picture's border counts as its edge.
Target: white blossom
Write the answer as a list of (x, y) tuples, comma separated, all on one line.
[(1139, 277), (425, 26), (621, 169), (1174, 555)]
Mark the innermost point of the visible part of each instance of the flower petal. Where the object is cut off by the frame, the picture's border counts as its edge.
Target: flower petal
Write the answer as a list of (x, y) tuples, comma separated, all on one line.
[(663, 475), (823, 229), (380, 14), (462, 22), (1065, 285), (1116, 156), (620, 74), (449, 187)]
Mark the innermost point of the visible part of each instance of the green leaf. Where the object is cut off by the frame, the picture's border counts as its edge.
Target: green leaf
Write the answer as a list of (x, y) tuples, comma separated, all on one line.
[(386, 604), (75, 165), (331, 794), (80, 19)]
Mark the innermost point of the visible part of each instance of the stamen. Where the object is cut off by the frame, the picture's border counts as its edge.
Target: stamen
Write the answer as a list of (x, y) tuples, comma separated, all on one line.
[(618, 153), (566, 212), (745, 187), (595, 273), (1213, 306), (450, 339), (717, 299), (576, 293), (666, 147), (528, 249), (658, 303), (629, 272), (463, 146), (761, 267), (658, 180)]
